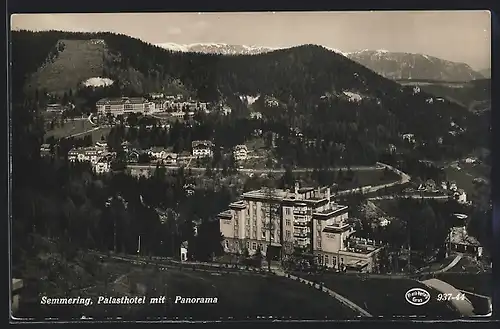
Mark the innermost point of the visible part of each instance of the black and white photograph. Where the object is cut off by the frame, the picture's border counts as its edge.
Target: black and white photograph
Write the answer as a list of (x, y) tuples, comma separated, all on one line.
[(225, 166)]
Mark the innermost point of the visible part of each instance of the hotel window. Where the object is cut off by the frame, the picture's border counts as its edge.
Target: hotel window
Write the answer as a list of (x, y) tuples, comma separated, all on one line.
[(318, 244), (254, 246), (263, 233), (227, 244), (248, 245), (288, 222), (287, 211), (288, 234), (327, 261)]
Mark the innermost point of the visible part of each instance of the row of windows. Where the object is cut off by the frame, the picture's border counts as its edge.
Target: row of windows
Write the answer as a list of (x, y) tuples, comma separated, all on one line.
[(325, 259), (254, 246)]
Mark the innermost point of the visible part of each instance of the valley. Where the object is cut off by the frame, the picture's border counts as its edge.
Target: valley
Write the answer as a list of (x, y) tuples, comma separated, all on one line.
[(149, 160)]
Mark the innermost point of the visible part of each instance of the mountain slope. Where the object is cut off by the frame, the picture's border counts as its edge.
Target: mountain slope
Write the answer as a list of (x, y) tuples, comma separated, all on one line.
[(71, 62), (486, 73), (404, 66)]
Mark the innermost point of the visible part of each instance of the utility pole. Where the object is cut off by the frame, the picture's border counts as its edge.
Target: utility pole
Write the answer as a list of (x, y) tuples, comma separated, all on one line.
[(139, 246)]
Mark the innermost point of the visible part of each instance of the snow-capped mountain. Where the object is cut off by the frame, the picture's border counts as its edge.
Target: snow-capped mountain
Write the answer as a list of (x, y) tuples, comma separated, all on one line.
[(397, 65), (223, 48)]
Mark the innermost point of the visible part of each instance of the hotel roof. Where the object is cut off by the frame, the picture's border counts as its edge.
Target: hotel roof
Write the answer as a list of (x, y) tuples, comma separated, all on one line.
[(458, 235), (121, 101)]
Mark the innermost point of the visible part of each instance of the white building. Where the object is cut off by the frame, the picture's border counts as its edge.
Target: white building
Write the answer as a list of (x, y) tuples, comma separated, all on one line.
[(202, 149), (90, 154), (256, 115), (240, 152), (460, 196), (124, 105), (102, 166), (409, 138), (184, 251)]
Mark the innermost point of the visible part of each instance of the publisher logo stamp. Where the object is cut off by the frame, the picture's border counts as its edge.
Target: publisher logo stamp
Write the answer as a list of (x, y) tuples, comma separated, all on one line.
[(417, 296)]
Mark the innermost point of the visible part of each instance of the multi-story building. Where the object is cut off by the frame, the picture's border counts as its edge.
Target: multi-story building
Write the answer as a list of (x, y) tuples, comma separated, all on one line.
[(202, 149), (91, 154), (124, 105), (240, 152), (304, 219), (161, 154)]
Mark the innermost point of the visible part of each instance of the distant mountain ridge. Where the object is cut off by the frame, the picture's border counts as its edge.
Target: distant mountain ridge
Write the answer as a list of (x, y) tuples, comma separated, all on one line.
[(392, 65), (400, 66), (225, 49)]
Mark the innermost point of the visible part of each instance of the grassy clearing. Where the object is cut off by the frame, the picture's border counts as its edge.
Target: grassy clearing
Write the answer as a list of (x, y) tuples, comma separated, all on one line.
[(78, 127), (240, 296), (70, 128), (78, 61), (385, 296)]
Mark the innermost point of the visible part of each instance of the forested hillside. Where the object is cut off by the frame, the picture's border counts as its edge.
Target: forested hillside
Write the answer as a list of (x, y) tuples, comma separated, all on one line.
[(475, 95), (326, 95)]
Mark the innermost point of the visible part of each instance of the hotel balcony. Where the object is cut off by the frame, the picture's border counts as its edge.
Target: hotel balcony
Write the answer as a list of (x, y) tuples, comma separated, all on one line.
[(301, 234), (302, 242), (301, 222), (301, 211)]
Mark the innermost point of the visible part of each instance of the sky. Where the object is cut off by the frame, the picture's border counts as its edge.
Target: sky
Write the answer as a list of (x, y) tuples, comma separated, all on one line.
[(460, 36)]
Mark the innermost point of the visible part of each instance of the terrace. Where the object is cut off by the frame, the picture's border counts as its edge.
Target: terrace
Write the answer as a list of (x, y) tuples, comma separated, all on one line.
[(361, 246)]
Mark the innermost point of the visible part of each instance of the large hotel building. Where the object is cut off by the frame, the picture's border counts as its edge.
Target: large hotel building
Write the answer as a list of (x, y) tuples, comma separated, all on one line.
[(305, 219)]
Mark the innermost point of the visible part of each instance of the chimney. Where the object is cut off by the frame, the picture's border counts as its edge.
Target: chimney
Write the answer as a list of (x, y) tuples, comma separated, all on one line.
[(328, 193), (297, 188)]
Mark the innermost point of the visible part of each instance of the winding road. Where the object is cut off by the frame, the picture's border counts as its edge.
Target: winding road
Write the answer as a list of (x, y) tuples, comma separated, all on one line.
[(259, 171)]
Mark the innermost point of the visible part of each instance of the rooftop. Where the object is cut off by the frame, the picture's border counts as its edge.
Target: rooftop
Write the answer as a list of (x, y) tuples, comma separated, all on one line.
[(121, 101), (306, 194), (226, 214), (238, 204), (458, 235)]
